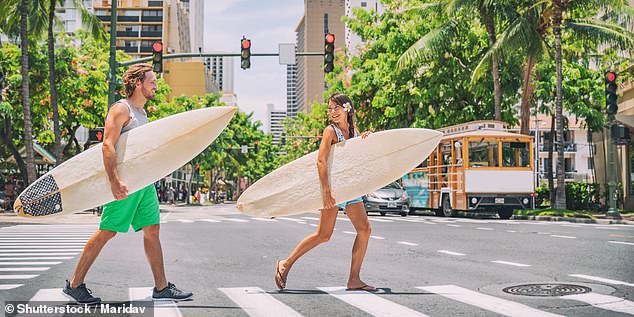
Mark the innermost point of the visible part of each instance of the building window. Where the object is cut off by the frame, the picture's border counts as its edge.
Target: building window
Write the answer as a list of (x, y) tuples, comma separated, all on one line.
[(325, 23), (590, 163), (364, 4)]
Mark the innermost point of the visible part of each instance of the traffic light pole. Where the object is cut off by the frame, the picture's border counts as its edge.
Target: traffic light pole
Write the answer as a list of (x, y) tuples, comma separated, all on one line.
[(112, 75), (612, 210), (184, 55)]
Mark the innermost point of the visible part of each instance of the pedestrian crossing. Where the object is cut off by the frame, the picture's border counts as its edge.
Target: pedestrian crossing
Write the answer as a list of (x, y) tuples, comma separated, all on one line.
[(258, 302), (26, 251)]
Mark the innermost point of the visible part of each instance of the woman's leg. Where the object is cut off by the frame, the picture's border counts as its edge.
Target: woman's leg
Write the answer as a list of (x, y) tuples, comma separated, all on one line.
[(327, 220), (359, 218)]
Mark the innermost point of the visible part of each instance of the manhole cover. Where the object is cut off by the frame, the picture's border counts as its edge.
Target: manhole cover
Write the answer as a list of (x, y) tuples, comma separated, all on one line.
[(547, 289)]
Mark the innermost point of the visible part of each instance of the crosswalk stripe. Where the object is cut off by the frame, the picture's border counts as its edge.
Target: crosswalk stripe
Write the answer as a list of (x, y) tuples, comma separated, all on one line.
[(36, 254), (370, 303), (29, 263), (7, 248), (20, 269), (290, 219), (450, 252), (379, 220), (601, 279), (42, 239), (310, 218), (37, 258), (9, 286), (18, 277), (18, 243), (236, 220), (163, 308), (487, 302), (563, 237), (264, 219), (621, 242), (185, 220), (50, 295), (26, 249), (257, 303), (407, 243), (209, 220), (511, 263), (604, 302)]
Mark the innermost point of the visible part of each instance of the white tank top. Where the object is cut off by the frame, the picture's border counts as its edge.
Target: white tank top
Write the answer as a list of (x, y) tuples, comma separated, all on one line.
[(138, 117)]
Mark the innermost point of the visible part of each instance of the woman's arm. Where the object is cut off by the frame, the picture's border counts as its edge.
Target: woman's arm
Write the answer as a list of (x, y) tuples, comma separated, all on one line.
[(322, 167)]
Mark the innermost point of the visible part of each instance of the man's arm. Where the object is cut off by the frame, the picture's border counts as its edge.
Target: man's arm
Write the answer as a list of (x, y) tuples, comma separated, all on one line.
[(116, 119)]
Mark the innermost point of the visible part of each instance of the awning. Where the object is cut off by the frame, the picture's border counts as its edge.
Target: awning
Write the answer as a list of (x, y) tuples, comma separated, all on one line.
[(42, 156)]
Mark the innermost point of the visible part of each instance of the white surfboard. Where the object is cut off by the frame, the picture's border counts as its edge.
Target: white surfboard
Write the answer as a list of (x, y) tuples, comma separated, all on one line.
[(144, 155), (356, 167)]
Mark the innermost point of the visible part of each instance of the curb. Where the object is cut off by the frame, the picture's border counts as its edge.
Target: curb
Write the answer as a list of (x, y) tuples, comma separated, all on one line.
[(570, 219)]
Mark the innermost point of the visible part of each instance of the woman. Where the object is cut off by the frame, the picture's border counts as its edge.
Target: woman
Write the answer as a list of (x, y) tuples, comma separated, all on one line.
[(341, 113)]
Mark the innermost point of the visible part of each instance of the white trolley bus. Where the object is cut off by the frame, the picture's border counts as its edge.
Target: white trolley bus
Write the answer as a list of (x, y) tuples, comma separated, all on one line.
[(477, 166)]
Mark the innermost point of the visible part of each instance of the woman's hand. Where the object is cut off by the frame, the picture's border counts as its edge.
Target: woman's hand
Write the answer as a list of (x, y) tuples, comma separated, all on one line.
[(329, 201), (365, 134)]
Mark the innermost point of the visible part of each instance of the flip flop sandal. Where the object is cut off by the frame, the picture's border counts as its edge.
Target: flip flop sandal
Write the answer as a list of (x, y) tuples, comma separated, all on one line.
[(280, 281)]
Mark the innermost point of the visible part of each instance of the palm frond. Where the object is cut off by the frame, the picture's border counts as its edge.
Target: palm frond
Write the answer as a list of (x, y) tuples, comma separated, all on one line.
[(432, 43), (520, 35), (90, 21), (602, 32)]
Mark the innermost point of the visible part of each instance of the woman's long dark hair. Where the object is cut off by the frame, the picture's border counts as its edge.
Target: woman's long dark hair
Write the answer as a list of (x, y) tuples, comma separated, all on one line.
[(342, 99)]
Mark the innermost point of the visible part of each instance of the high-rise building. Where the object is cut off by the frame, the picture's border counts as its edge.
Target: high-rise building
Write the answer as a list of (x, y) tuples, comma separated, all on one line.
[(70, 16), (220, 72), (320, 17), (352, 39), (291, 91), (177, 23), (275, 123)]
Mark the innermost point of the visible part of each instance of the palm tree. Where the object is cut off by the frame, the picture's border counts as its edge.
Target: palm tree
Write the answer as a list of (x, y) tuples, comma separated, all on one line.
[(96, 27), (436, 41), (28, 129)]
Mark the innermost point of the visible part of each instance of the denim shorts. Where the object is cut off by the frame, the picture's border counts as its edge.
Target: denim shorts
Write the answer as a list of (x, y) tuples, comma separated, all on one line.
[(356, 200)]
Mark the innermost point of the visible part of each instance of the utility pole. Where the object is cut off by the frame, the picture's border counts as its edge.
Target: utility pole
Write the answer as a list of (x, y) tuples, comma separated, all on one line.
[(112, 75)]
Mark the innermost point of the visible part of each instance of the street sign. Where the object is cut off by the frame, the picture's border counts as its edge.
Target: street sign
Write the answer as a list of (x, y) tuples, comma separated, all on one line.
[(287, 53), (244, 149)]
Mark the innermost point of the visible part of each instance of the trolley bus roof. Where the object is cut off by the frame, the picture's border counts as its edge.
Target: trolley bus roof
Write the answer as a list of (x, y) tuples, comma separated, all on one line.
[(486, 134)]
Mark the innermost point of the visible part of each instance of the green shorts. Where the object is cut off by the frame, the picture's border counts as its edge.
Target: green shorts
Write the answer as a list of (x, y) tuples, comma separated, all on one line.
[(140, 209)]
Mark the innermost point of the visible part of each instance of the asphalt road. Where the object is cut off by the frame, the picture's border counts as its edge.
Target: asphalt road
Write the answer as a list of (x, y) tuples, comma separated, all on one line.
[(423, 265)]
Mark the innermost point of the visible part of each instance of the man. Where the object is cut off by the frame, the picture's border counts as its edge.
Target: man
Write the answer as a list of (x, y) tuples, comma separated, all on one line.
[(140, 209)]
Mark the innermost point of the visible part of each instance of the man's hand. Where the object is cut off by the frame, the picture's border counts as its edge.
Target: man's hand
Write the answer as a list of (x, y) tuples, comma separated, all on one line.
[(119, 190)]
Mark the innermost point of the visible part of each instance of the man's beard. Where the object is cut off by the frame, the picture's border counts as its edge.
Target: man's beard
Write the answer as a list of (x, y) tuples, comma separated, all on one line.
[(147, 94)]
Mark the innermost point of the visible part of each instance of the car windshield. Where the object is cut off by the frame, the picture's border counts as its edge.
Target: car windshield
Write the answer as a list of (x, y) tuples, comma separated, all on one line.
[(392, 185)]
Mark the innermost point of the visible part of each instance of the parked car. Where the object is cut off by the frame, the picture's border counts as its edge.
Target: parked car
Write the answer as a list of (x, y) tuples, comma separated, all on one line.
[(391, 198)]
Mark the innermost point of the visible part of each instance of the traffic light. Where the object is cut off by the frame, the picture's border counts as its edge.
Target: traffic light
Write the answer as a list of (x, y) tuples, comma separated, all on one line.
[(157, 57), (611, 105), (255, 146), (245, 53), (329, 53), (95, 135)]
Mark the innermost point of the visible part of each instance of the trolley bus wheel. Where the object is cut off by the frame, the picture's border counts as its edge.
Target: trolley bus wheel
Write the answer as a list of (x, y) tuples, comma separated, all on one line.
[(505, 213), (446, 207)]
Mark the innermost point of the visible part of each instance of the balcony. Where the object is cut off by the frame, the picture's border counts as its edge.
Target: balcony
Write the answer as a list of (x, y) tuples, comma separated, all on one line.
[(151, 33), (568, 147), (128, 49), (148, 18), (128, 33), (155, 3), (128, 18), (104, 18), (146, 49)]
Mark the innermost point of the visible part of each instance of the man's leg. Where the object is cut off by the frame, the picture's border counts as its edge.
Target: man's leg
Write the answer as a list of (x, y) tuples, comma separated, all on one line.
[(154, 254), (91, 251)]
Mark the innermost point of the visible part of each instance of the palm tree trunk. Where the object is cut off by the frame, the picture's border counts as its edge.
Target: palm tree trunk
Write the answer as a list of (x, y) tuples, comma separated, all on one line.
[(551, 181), (28, 129), (560, 202), (527, 95), (57, 150), (6, 136), (489, 24)]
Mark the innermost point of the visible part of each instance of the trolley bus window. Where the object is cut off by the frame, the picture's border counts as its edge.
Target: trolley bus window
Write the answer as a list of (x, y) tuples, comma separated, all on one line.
[(483, 154), (515, 154)]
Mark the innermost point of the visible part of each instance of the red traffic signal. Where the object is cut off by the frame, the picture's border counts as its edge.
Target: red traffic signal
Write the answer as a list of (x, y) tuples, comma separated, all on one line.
[(611, 102), (610, 76), (246, 44), (330, 38), (329, 53), (245, 53), (157, 47)]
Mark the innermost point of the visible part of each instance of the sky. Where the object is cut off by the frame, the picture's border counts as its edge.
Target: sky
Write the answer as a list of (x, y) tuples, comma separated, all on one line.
[(266, 24)]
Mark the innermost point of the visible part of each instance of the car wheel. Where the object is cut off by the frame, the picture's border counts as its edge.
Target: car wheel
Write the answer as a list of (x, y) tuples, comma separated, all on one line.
[(505, 213), (446, 207), (382, 213), (411, 212), (404, 214)]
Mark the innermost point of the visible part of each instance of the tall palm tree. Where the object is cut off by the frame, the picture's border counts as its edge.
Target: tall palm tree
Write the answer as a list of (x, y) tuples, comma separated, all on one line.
[(436, 41), (28, 129), (595, 21), (96, 27)]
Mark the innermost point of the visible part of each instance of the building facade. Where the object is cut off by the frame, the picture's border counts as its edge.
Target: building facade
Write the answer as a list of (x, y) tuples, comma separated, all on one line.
[(275, 121), (292, 105), (320, 17), (353, 41)]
